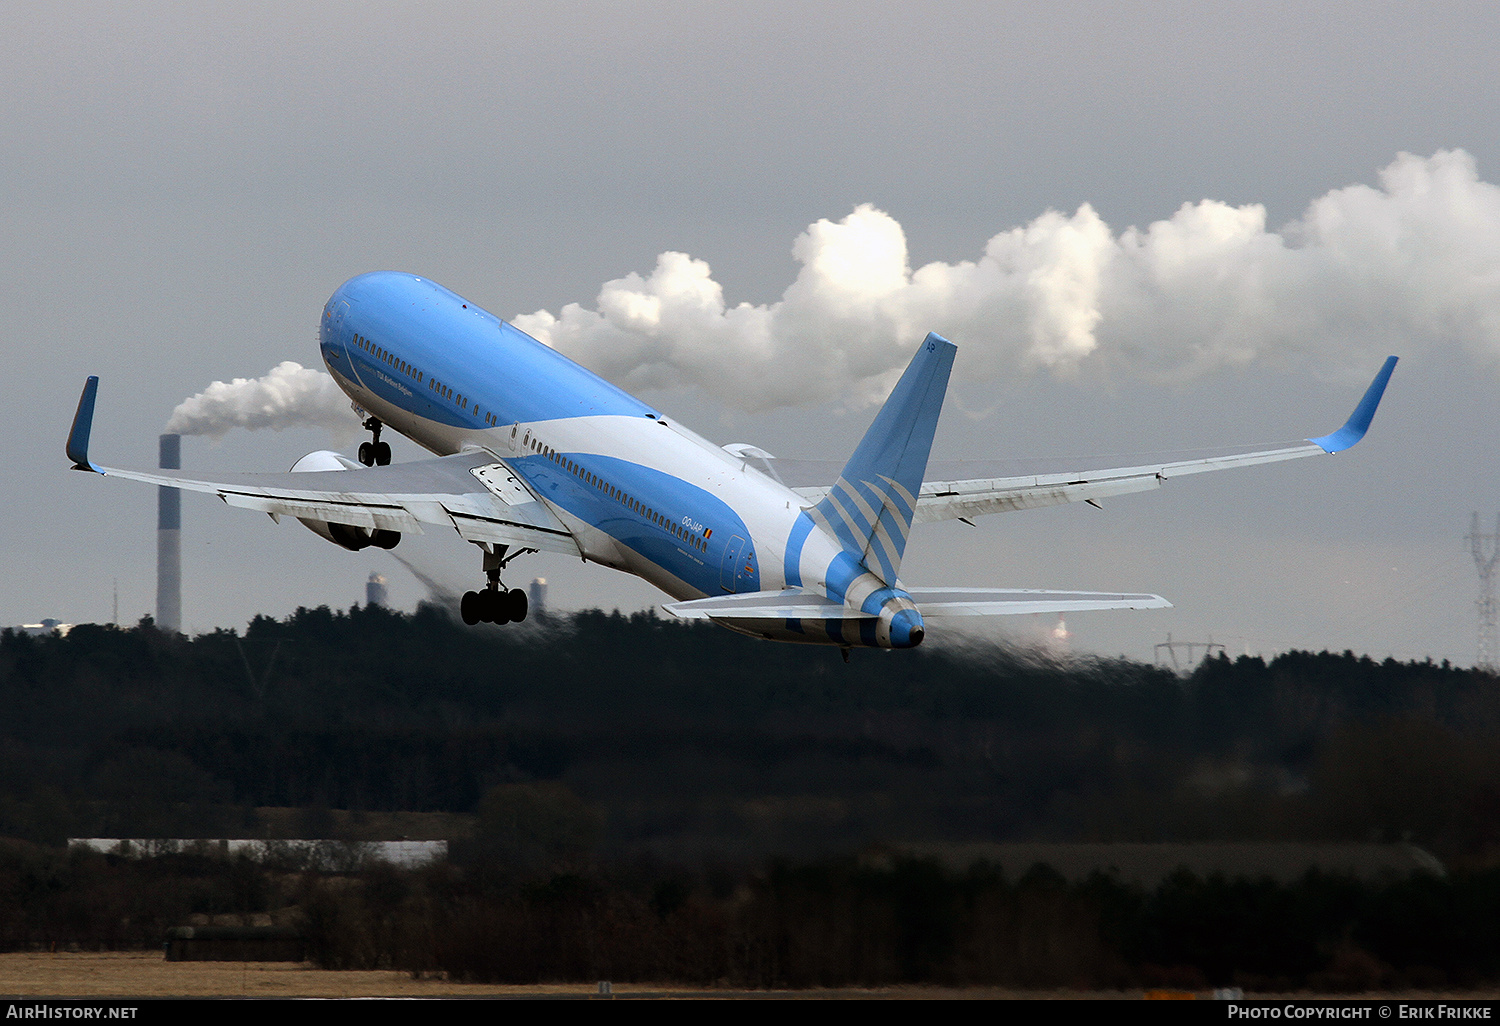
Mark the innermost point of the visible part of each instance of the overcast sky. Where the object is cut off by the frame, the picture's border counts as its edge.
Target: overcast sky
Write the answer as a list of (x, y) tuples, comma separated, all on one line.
[(184, 186)]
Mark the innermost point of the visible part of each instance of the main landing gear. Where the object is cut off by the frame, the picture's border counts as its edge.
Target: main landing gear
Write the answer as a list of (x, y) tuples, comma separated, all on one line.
[(494, 604), (374, 453)]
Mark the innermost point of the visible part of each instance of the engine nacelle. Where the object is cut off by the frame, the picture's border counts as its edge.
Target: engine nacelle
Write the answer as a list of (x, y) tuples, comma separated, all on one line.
[(344, 535)]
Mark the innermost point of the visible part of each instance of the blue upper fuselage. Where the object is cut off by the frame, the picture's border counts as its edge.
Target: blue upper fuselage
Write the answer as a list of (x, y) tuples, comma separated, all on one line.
[(448, 375), (468, 351)]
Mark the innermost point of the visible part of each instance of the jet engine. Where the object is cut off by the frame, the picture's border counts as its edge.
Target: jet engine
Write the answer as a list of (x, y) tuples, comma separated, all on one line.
[(346, 535)]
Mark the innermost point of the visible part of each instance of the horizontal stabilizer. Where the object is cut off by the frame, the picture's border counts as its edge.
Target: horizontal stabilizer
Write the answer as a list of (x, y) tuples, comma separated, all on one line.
[(791, 604), (800, 604), (1015, 601)]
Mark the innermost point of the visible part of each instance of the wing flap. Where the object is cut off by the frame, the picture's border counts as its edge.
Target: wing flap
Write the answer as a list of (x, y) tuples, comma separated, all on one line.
[(370, 517), (948, 500)]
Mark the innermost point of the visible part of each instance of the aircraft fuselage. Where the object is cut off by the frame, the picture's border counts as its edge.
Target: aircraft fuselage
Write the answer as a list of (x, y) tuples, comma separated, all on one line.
[(640, 492)]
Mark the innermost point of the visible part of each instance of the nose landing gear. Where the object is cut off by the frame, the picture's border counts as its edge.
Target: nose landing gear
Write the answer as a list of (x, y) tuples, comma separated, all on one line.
[(374, 453), (494, 604)]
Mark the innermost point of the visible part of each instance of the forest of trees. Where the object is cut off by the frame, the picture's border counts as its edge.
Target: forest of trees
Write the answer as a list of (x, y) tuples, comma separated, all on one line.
[(687, 738), (669, 788)]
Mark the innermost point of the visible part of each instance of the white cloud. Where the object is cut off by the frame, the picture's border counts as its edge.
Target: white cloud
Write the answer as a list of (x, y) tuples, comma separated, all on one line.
[(1366, 271), (1407, 266)]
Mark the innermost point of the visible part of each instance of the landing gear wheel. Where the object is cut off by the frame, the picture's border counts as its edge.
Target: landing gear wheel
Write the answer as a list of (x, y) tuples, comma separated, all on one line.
[(383, 539), (374, 452), (494, 606)]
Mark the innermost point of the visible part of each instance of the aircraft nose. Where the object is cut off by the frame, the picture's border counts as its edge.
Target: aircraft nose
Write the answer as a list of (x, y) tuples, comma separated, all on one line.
[(907, 630)]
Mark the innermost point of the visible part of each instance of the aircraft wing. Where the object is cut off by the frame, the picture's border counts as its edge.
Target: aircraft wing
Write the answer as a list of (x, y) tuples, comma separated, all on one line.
[(472, 492), (968, 489)]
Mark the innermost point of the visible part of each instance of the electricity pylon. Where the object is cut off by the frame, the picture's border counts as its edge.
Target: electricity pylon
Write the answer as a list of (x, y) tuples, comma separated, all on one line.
[(1486, 549)]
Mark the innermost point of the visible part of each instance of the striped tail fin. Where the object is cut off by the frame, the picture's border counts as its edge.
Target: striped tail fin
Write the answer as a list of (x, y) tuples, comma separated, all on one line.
[(870, 509)]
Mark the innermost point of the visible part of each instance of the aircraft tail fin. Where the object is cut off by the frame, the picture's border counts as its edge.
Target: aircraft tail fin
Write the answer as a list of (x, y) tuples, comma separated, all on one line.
[(869, 510)]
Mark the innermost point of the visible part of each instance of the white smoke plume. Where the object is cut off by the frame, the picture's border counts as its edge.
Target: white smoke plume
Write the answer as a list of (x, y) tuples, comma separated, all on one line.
[(290, 396), (1412, 264)]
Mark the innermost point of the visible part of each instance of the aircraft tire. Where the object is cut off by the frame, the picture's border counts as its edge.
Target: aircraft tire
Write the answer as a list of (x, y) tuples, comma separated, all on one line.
[(495, 610), (383, 539), (382, 454), (367, 454), (516, 603), (469, 608)]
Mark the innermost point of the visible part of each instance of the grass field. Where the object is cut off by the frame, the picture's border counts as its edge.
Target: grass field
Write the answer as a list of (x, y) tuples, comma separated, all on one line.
[(149, 974), (125, 974)]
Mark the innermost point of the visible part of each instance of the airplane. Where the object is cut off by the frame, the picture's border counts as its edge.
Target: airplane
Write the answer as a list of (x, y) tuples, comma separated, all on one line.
[(536, 453)]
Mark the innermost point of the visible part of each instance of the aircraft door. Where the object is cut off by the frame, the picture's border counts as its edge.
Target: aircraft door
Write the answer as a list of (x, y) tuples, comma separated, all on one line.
[(730, 570), (336, 342)]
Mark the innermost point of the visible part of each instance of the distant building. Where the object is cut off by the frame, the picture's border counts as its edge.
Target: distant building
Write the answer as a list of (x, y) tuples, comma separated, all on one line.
[(375, 593), (538, 598), (327, 855), (1059, 638)]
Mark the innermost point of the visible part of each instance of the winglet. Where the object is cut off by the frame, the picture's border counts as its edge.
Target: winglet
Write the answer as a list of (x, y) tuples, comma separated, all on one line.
[(83, 423), (1359, 421)]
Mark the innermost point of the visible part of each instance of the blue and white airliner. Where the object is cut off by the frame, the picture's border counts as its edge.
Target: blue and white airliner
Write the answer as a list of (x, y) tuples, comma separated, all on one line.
[(535, 453)]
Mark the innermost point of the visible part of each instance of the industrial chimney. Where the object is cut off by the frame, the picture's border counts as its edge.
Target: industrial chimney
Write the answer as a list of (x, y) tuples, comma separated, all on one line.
[(375, 590), (169, 540)]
